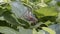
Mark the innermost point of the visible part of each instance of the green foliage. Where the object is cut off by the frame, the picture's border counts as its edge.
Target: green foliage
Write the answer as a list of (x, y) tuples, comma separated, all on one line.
[(4, 8), (58, 3), (10, 20), (46, 11), (7, 30), (47, 1)]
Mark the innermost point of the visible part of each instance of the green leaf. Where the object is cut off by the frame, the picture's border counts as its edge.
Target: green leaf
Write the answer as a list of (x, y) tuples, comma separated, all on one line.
[(34, 0), (22, 21), (18, 9), (48, 23), (47, 1), (25, 31), (3, 23), (7, 30), (46, 11), (7, 1), (58, 18), (2, 11), (58, 3), (21, 30), (4, 8), (46, 18), (1, 18), (10, 19), (40, 31), (50, 31)]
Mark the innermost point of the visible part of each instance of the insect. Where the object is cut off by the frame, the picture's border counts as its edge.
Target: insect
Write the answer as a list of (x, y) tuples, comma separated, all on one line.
[(30, 17), (22, 11)]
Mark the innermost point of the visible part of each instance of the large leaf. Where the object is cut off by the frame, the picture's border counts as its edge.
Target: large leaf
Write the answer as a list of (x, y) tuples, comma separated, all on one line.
[(7, 30), (29, 31), (46, 11), (18, 9), (10, 19), (24, 31)]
